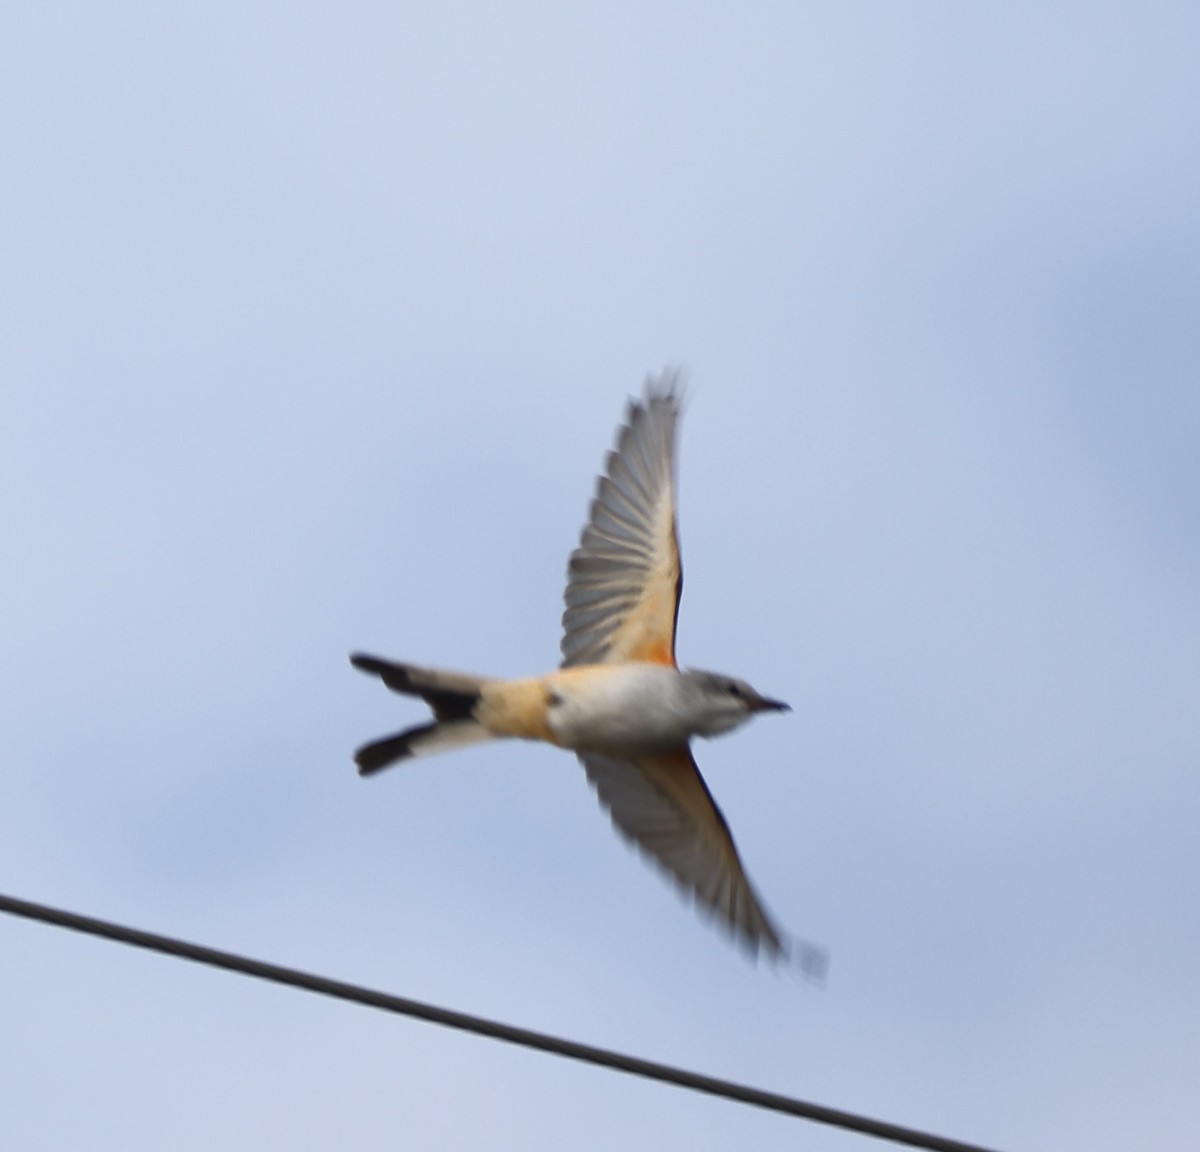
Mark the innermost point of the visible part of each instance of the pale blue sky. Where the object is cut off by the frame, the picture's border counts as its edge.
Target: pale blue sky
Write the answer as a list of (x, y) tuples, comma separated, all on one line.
[(316, 324)]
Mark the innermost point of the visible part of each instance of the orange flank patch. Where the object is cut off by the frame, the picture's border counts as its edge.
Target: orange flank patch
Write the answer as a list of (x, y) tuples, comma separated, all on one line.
[(657, 653), (647, 634)]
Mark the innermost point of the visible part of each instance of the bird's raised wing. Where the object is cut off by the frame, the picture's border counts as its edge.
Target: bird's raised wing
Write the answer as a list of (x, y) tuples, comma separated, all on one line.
[(624, 579), (662, 805)]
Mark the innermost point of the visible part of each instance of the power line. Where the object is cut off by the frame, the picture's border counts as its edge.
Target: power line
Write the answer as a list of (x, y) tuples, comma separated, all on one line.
[(278, 974)]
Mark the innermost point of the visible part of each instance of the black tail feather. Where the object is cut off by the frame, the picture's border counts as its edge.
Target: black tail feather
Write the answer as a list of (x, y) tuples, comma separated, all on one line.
[(451, 695), (424, 740), (377, 755)]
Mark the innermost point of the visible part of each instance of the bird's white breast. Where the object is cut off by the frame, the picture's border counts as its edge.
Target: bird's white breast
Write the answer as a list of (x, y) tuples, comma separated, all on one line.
[(623, 709)]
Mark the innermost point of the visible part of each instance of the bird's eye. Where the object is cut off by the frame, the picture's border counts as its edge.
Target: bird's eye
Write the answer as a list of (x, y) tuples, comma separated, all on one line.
[(734, 688)]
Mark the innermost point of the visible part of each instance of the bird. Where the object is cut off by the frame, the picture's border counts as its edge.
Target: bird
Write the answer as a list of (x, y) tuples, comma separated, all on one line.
[(619, 700)]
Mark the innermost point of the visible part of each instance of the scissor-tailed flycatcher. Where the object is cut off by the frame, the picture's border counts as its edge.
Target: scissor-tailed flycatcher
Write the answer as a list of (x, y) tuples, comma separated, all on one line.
[(619, 700)]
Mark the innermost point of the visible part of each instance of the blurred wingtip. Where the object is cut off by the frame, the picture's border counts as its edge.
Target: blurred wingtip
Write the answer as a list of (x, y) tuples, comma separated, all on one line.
[(810, 961)]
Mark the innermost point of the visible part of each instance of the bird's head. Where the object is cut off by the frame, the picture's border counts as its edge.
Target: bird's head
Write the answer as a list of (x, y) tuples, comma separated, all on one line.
[(724, 702)]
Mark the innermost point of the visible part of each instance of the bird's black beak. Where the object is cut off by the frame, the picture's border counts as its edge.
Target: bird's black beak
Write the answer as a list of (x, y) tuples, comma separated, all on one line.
[(766, 704)]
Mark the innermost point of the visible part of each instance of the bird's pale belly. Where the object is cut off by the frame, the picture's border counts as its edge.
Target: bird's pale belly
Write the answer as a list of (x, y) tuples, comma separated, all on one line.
[(621, 709)]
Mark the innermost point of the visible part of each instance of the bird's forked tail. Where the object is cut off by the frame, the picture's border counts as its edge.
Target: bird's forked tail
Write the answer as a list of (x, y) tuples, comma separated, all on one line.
[(453, 697)]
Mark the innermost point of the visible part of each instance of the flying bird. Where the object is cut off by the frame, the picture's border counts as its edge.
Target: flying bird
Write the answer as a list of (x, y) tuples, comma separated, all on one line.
[(619, 700)]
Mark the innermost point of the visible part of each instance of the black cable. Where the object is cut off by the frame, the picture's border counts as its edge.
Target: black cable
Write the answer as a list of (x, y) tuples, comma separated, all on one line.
[(482, 1027)]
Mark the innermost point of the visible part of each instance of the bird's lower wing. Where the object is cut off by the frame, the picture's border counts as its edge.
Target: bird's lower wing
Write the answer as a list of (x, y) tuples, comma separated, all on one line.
[(662, 805)]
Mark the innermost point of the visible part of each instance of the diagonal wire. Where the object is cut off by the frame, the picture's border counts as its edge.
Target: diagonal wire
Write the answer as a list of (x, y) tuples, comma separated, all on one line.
[(540, 1041)]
